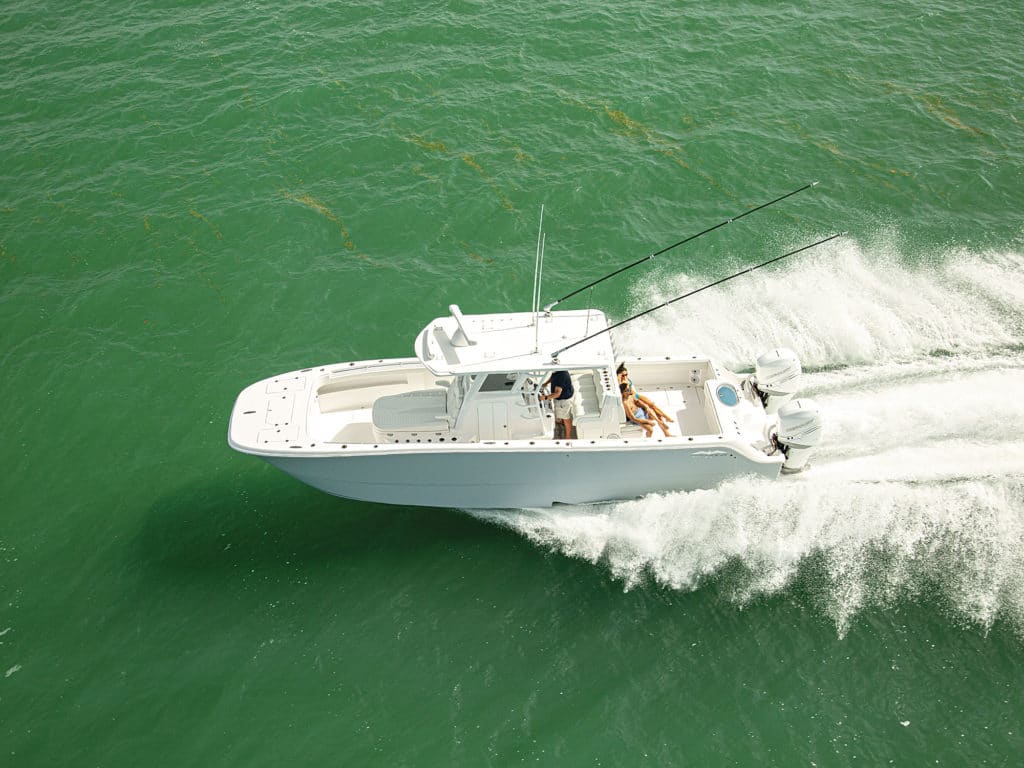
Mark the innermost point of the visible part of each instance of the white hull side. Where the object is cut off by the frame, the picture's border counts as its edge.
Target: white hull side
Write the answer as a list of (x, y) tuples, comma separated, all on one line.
[(494, 479)]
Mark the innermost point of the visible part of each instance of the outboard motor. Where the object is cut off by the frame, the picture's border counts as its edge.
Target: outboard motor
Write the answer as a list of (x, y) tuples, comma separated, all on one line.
[(799, 433), (776, 378)]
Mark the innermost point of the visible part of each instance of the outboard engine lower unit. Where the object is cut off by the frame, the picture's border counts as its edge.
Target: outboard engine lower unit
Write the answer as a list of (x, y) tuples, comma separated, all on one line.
[(799, 433), (776, 378)]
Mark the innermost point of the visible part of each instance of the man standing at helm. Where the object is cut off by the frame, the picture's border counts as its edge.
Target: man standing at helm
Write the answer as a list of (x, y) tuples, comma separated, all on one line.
[(561, 391)]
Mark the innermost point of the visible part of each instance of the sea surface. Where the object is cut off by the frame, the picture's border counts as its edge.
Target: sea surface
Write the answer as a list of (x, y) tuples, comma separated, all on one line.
[(195, 196)]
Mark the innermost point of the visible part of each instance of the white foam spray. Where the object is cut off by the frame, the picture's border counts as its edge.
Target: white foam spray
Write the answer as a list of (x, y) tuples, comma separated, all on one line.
[(919, 485)]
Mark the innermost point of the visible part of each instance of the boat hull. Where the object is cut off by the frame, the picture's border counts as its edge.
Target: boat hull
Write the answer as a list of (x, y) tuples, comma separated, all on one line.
[(490, 479)]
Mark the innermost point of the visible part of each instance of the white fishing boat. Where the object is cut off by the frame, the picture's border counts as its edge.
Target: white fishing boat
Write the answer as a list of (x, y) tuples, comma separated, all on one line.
[(466, 422), (462, 424)]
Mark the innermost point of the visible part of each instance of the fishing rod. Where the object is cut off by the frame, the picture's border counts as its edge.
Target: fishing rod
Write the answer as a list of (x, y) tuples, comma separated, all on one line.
[(550, 306), (554, 355)]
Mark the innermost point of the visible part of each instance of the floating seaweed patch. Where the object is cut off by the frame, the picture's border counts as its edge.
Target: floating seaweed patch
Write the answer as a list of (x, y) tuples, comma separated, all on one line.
[(433, 146), (311, 202), (468, 160), (207, 222), (474, 255), (937, 109)]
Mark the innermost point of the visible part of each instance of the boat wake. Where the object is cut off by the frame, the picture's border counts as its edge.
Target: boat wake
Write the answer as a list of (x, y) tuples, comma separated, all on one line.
[(918, 487)]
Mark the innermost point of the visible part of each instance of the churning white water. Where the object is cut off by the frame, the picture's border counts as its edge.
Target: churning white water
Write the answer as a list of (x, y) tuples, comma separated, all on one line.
[(919, 485)]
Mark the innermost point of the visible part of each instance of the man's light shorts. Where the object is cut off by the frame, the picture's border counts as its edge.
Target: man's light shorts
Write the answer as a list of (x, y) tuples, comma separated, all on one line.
[(565, 409)]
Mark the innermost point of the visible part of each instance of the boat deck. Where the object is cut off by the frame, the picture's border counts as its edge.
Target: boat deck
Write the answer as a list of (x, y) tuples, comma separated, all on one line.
[(684, 404)]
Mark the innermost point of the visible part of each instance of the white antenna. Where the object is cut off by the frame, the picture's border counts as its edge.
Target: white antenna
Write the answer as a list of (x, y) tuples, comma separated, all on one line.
[(538, 268), (540, 277)]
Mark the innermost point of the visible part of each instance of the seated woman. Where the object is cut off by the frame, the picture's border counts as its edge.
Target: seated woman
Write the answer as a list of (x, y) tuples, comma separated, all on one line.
[(636, 414), (648, 404)]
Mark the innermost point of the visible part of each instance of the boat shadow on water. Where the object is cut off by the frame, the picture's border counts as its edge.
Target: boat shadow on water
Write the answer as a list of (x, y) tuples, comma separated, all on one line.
[(267, 524)]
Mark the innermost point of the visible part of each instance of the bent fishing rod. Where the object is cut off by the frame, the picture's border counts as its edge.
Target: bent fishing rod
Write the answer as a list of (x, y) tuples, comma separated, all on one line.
[(554, 355), (549, 307)]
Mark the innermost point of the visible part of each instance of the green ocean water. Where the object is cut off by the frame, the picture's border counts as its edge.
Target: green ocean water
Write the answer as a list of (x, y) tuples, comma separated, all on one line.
[(195, 196)]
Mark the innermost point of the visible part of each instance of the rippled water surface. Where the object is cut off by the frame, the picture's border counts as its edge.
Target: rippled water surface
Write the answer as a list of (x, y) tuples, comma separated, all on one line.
[(195, 197)]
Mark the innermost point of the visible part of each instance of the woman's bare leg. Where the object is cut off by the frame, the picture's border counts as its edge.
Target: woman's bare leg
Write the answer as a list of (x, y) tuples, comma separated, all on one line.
[(653, 408)]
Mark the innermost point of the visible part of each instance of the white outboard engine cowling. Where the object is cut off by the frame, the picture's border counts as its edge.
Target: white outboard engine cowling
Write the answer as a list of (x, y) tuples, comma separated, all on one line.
[(800, 428), (776, 378)]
